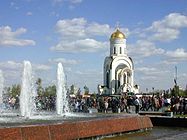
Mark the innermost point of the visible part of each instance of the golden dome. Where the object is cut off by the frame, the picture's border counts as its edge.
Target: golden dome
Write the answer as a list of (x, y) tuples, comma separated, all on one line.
[(117, 34)]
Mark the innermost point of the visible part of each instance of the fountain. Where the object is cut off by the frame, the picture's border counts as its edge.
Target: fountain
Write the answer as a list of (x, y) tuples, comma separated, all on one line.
[(62, 124), (27, 92), (61, 95)]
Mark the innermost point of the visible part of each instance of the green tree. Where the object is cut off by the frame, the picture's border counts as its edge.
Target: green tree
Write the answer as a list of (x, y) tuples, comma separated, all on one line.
[(185, 92), (78, 92), (72, 89), (13, 90), (86, 90), (50, 90), (16, 90), (175, 91), (94, 95), (39, 88)]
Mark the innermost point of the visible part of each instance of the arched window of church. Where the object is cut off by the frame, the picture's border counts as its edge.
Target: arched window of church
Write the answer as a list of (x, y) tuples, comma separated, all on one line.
[(118, 83), (120, 50), (107, 79), (114, 50), (119, 76), (124, 79), (128, 77)]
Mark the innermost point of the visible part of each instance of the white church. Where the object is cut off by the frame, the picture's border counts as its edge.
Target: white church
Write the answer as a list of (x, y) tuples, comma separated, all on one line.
[(118, 68)]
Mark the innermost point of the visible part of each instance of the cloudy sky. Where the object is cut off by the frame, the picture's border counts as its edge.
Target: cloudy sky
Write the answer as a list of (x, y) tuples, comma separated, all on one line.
[(77, 32)]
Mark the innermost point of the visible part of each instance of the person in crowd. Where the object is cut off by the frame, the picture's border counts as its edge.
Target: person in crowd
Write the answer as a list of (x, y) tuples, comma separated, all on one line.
[(106, 106), (137, 105)]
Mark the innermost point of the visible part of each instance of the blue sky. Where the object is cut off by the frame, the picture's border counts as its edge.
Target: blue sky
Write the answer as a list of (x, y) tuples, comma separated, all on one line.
[(77, 32)]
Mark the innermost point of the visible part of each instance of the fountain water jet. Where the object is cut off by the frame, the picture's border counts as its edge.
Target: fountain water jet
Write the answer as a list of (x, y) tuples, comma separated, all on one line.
[(26, 95), (28, 110), (61, 99)]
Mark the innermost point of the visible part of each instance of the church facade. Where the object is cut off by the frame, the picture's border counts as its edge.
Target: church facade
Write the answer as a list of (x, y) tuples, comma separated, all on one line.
[(118, 67)]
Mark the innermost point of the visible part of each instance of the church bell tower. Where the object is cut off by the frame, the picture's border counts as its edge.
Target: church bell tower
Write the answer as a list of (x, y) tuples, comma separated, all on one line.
[(118, 67)]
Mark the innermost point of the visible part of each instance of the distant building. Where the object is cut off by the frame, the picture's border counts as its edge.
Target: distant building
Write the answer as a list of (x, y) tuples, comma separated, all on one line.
[(118, 67)]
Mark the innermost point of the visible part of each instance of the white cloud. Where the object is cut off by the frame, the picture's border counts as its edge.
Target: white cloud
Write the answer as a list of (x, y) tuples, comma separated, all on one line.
[(65, 61), (89, 72), (12, 77), (85, 45), (167, 62), (165, 34), (146, 69), (173, 20), (151, 71), (152, 76), (173, 57), (12, 4), (184, 75), (144, 48), (80, 28), (84, 75), (10, 38), (168, 28), (12, 71), (98, 29), (11, 65), (179, 53), (148, 78), (29, 13), (75, 1), (53, 13), (71, 28), (69, 1), (41, 67), (79, 35)]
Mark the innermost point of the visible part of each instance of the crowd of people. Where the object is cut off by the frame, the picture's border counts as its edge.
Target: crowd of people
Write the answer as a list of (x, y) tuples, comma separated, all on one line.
[(41, 102), (116, 104), (105, 104), (173, 104), (11, 102)]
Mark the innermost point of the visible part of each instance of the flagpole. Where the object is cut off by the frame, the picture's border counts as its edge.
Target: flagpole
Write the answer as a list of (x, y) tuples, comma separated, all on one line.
[(176, 74), (176, 87)]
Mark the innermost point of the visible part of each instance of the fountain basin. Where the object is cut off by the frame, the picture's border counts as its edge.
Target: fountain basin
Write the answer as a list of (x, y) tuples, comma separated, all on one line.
[(75, 128)]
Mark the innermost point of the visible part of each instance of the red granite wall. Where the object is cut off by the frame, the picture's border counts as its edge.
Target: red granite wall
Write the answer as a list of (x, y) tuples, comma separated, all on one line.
[(76, 129)]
